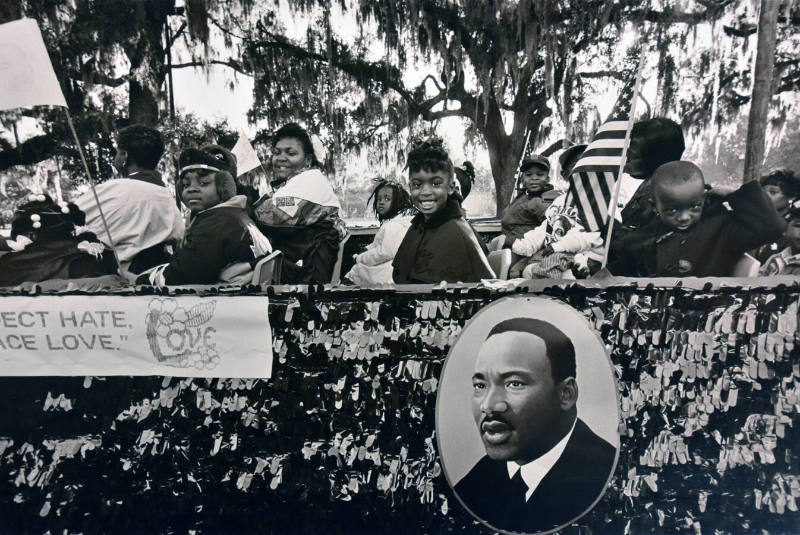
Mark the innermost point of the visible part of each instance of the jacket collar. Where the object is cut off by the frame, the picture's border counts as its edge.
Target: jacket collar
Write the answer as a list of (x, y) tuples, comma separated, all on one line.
[(452, 210), (152, 177), (237, 201)]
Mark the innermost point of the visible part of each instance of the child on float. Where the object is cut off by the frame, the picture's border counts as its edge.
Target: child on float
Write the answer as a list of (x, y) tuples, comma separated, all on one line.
[(465, 179), (560, 246), (391, 204), (48, 241), (527, 210), (439, 245), (782, 186), (685, 239), (222, 243), (786, 261), (653, 142)]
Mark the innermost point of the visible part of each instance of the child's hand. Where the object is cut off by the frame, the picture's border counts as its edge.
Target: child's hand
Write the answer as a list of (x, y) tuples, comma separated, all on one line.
[(547, 251)]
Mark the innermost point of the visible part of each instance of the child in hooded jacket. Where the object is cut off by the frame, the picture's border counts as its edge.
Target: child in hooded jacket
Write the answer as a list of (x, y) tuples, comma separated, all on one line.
[(440, 245)]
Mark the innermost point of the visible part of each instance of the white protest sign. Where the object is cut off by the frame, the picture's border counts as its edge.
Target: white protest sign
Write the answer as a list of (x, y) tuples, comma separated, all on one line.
[(28, 78), (185, 336), (246, 157)]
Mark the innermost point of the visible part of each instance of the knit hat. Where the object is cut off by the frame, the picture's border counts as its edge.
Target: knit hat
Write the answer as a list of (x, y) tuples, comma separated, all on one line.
[(208, 157)]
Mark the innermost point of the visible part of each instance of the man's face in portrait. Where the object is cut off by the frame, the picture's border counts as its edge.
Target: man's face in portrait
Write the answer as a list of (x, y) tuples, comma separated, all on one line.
[(515, 402)]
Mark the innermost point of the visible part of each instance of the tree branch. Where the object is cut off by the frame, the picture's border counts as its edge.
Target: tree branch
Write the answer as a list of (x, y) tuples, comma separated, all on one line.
[(233, 64), (602, 74)]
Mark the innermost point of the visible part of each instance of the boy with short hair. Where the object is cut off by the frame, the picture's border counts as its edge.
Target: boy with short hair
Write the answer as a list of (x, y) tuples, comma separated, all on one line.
[(787, 261), (527, 210), (681, 242), (440, 245)]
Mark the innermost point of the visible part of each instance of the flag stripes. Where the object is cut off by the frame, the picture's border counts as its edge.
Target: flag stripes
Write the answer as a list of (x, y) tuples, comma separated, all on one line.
[(595, 173)]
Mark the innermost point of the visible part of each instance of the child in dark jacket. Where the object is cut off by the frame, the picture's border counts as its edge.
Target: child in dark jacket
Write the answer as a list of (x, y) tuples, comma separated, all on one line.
[(440, 245), (527, 210), (683, 241), (222, 243)]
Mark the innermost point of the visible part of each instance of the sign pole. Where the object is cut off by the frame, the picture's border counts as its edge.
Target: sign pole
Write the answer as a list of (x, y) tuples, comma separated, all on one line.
[(91, 184)]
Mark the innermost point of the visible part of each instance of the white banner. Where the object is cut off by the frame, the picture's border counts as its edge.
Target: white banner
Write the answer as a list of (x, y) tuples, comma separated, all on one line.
[(27, 75), (246, 157), (186, 336)]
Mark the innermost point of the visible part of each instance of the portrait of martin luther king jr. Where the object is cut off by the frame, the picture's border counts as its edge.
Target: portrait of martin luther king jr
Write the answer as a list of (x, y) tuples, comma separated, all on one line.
[(544, 467)]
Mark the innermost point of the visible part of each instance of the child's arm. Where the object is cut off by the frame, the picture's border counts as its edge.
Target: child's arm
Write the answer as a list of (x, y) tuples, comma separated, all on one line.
[(531, 241), (756, 221), (576, 240)]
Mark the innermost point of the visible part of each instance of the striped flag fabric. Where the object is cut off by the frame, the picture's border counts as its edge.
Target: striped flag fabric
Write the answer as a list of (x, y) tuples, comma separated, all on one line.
[(593, 178)]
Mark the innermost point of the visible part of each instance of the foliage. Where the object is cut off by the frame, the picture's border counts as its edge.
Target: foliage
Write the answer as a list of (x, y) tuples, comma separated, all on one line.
[(508, 68), (368, 74)]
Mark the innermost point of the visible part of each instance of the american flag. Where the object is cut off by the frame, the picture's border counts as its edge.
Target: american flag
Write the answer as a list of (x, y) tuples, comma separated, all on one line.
[(595, 173)]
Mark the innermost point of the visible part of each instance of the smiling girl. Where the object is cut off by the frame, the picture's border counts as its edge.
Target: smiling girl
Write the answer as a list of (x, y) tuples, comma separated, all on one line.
[(440, 245)]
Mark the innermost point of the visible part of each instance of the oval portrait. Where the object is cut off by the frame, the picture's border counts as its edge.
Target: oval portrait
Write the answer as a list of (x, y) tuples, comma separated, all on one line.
[(527, 416)]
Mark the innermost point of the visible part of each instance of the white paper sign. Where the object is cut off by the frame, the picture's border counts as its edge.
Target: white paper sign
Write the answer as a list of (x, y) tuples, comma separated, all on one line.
[(246, 157), (186, 336), (28, 78)]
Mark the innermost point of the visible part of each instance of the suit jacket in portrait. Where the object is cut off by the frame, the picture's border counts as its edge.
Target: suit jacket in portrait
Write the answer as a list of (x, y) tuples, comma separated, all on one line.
[(573, 483)]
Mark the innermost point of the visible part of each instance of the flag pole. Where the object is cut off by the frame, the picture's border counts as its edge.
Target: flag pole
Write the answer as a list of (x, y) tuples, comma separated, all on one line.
[(91, 184), (521, 159), (623, 160)]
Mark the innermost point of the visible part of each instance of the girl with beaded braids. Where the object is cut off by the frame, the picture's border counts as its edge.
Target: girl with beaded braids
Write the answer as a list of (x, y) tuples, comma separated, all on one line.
[(301, 218), (392, 205), (440, 245), (48, 242)]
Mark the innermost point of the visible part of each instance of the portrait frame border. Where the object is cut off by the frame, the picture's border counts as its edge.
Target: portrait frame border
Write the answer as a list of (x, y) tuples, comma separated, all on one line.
[(615, 379)]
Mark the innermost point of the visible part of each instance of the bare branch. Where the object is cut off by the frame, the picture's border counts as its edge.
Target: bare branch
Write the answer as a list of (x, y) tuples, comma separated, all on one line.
[(232, 63), (441, 114), (602, 74), (434, 80)]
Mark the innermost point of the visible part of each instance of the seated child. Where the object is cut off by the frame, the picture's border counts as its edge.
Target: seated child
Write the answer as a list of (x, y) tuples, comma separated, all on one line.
[(440, 245), (782, 187), (527, 210), (653, 143), (391, 204), (222, 244), (550, 250), (684, 241), (465, 178), (47, 242), (787, 261)]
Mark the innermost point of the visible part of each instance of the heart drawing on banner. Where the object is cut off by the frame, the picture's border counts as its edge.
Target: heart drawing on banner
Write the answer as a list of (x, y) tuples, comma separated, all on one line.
[(180, 337)]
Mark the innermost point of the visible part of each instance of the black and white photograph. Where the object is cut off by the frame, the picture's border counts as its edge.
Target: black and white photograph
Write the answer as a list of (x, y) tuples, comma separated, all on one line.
[(534, 373), (400, 267)]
